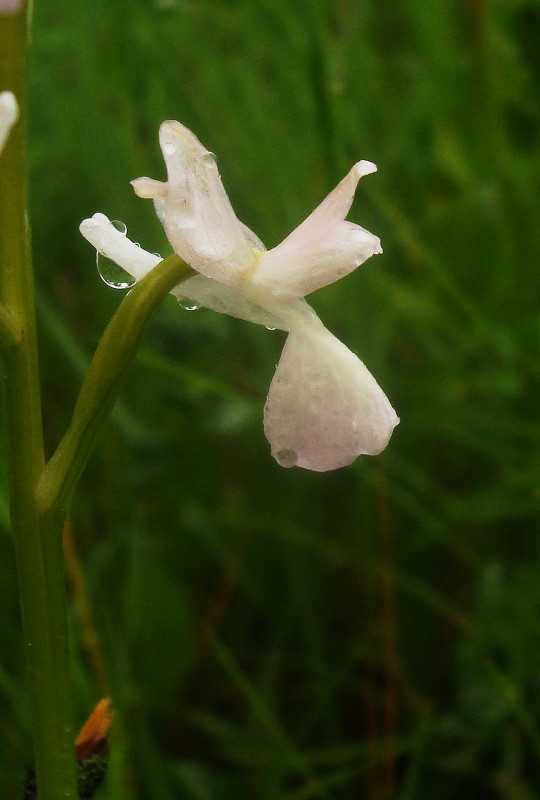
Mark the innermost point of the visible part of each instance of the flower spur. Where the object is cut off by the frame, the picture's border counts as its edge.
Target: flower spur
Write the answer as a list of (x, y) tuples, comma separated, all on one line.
[(324, 408)]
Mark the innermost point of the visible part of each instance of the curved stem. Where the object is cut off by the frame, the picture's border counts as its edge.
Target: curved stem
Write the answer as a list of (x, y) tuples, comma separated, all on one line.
[(112, 358), (38, 540)]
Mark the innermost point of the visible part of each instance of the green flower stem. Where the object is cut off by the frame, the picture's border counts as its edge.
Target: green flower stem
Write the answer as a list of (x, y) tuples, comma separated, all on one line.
[(10, 331), (36, 509), (112, 358), (38, 540)]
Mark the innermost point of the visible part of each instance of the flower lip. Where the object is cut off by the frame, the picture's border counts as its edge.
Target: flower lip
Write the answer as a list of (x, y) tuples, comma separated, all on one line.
[(324, 407)]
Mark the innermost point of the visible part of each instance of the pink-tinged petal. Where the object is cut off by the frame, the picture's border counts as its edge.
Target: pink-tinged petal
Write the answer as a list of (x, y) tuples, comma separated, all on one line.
[(324, 407), (194, 208), (202, 291), (11, 6), (113, 244), (9, 113), (324, 248)]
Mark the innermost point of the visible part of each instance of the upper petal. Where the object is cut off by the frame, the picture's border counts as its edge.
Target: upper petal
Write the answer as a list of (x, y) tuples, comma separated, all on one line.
[(324, 248), (194, 207), (100, 232), (9, 112), (324, 407)]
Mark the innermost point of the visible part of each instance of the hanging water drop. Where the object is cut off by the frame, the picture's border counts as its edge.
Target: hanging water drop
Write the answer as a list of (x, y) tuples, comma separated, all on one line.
[(120, 226), (188, 305), (269, 328), (209, 159), (113, 275)]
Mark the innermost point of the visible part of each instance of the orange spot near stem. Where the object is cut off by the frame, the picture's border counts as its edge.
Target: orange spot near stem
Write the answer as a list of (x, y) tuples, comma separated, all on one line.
[(93, 736)]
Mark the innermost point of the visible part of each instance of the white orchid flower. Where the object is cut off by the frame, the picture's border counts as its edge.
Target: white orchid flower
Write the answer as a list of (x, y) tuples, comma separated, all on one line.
[(324, 408), (9, 112)]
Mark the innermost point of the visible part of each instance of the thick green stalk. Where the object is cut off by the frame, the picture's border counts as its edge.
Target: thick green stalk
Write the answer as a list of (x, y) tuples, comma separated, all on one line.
[(10, 331), (112, 358), (38, 541)]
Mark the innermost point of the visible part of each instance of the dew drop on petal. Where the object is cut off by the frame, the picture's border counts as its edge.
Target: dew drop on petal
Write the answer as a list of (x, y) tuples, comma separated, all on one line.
[(188, 305), (169, 149), (286, 458), (113, 275), (120, 226), (268, 328), (209, 159)]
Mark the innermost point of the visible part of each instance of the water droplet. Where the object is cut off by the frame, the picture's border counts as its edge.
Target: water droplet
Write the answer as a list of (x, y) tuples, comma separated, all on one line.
[(120, 226), (287, 458), (269, 328), (113, 275), (169, 149), (188, 305), (209, 158), (157, 255)]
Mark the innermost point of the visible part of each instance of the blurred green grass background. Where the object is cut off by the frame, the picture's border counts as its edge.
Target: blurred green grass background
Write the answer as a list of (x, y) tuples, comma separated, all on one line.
[(270, 633)]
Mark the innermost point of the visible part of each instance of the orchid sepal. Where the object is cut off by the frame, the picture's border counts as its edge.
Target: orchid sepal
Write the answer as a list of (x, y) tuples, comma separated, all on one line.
[(194, 207), (322, 249)]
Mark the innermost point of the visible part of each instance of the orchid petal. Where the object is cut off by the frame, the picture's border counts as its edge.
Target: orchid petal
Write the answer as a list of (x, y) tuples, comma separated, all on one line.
[(194, 208), (322, 249), (324, 407), (9, 112), (202, 291), (113, 244)]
